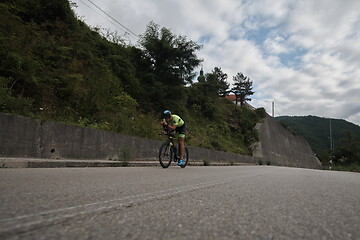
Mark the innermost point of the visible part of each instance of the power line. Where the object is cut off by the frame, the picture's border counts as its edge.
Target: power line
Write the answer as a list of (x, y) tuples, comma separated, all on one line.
[(126, 34), (85, 4), (116, 21), (98, 13)]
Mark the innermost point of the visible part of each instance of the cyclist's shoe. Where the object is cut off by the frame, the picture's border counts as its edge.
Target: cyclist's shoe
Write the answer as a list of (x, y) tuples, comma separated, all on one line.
[(180, 163)]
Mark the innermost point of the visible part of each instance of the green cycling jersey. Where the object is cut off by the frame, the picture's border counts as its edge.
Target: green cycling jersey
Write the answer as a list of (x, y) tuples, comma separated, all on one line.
[(175, 120)]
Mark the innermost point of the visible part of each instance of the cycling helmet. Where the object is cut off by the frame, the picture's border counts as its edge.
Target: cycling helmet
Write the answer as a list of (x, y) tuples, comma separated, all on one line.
[(167, 114)]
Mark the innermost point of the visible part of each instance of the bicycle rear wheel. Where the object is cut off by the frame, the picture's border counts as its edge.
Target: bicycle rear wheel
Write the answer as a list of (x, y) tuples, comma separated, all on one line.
[(186, 158), (166, 155)]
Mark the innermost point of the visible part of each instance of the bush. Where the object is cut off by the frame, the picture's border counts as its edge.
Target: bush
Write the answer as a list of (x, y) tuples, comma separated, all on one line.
[(207, 162), (11, 104), (126, 156), (260, 112), (349, 168)]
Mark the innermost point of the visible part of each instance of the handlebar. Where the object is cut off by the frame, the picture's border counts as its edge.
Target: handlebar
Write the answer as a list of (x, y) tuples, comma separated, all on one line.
[(168, 132), (166, 129)]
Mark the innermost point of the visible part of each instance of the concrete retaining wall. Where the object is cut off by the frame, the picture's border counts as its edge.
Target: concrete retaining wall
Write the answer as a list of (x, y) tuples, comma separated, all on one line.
[(29, 138), (282, 148)]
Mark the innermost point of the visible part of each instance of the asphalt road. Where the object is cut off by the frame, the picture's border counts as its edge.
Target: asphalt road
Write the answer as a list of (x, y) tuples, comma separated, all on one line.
[(248, 202)]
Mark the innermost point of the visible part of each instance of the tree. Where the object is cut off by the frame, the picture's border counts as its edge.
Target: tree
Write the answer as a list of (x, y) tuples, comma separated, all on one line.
[(242, 88), (172, 57), (204, 94), (349, 150), (217, 82), (172, 61)]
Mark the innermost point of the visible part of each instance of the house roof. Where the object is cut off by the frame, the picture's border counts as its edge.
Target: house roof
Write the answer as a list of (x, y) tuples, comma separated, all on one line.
[(231, 97)]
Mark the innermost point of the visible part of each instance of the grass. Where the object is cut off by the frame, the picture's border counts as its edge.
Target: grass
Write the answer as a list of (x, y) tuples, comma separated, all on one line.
[(207, 162), (126, 157), (347, 168)]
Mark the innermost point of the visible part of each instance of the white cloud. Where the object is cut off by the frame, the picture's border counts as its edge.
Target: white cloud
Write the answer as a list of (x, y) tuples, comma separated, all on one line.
[(275, 45), (304, 55)]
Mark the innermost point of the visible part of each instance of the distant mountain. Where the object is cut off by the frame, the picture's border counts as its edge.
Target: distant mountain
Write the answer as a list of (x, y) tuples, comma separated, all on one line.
[(316, 130)]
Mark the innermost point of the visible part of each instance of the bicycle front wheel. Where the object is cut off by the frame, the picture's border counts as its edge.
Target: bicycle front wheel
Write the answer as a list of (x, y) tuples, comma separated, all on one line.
[(166, 155)]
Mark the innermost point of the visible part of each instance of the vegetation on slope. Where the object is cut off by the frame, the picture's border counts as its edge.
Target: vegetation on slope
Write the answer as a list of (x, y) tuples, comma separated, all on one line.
[(55, 67), (316, 130)]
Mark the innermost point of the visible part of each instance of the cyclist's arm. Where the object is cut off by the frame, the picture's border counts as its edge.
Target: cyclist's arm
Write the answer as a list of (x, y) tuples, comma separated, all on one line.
[(173, 127), (166, 126), (164, 122)]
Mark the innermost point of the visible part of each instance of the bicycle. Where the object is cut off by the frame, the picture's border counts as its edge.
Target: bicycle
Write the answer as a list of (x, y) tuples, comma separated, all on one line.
[(169, 152)]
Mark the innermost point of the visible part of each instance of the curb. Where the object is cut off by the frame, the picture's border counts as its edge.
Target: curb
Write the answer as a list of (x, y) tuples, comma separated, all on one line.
[(66, 163)]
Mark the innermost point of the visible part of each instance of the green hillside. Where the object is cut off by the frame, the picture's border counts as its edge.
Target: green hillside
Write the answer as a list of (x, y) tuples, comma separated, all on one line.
[(55, 67), (316, 130)]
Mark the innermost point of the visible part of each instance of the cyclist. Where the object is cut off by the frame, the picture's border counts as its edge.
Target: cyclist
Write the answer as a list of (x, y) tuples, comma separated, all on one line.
[(174, 122)]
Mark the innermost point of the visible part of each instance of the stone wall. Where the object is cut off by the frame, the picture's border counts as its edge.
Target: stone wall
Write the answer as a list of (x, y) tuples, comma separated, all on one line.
[(30, 138)]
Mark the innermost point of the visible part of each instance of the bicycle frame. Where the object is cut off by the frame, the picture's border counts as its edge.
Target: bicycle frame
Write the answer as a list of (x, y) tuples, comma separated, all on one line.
[(171, 138)]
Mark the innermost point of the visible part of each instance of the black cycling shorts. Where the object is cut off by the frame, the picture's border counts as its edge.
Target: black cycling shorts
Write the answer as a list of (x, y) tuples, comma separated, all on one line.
[(181, 130)]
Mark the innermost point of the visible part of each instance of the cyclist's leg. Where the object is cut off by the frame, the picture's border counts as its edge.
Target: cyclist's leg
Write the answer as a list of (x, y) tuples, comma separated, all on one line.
[(181, 147), (181, 139)]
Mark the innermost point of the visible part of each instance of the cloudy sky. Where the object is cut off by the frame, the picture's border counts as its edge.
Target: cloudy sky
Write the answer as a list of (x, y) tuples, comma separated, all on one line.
[(304, 55)]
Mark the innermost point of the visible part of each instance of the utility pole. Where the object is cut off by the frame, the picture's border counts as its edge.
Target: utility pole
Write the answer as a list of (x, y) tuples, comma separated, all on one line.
[(273, 109), (331, 141), (331, 146)]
